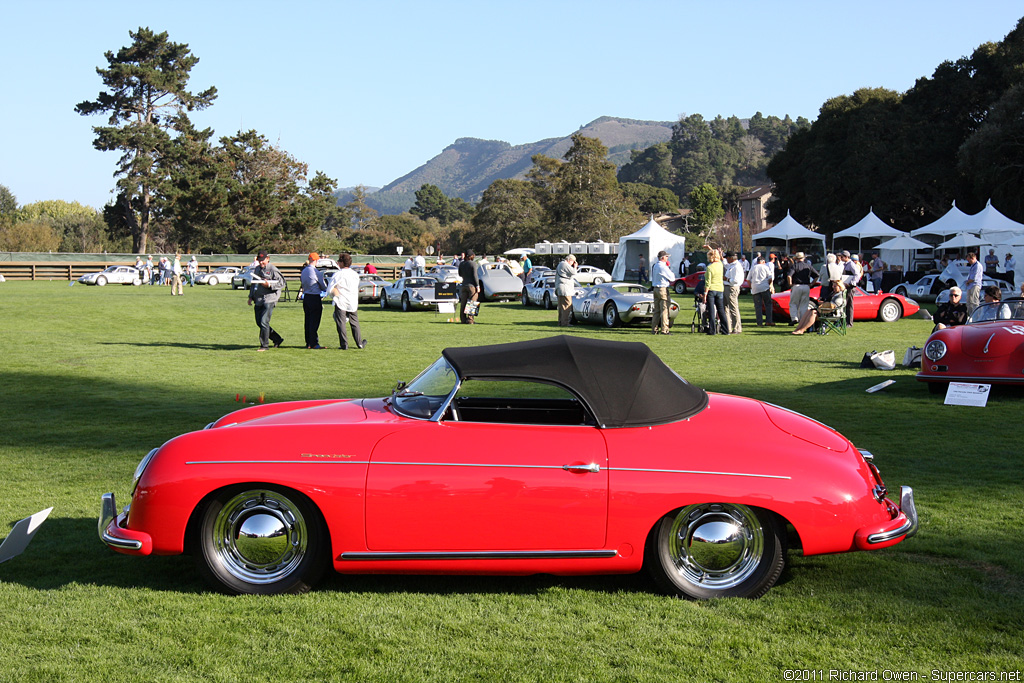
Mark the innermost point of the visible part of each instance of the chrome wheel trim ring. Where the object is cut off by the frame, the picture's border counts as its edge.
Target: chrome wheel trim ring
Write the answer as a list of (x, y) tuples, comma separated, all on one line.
[(715, 546), (260, 536), (611, 315), (890, 311)]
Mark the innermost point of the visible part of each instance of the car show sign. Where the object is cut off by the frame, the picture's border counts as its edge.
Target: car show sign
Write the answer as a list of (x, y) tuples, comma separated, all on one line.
[(446, 290), (966, 394)]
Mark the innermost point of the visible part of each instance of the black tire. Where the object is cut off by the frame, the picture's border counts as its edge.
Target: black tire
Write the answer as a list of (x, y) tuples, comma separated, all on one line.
[(598, 280), (680, 287), (716, 550), (406, 306), (383, 301), (547, 302), (611, 315), (890, 310), (261, 540), (524, 298), (901, 290)]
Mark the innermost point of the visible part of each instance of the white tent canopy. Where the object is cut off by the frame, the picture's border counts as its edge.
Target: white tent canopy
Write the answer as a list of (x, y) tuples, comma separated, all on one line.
[(788, 230), (869, 226), (647, 242), (990, 220), (960, 241), (952, 222), (902, 244)]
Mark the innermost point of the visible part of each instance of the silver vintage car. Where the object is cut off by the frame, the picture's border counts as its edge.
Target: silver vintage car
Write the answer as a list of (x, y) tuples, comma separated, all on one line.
[(497, 282), (408, 293), (115, 275), (617, 303), (219, 276), (541, 292)]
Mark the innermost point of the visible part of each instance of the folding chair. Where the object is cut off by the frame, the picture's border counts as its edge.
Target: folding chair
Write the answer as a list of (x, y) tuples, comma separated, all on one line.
[(831, 318)]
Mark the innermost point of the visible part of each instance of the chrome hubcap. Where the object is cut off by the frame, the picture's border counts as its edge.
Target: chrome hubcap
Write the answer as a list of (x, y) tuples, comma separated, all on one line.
[(716, 545), (260, 536)]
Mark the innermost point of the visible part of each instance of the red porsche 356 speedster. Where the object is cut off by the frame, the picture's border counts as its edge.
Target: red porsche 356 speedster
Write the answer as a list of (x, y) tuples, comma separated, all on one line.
[(628, 473), (989, 349)]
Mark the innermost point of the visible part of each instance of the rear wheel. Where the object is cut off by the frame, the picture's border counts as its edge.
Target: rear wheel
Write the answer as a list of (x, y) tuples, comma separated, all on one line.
[(611, 315), (890, 311), (261, 540), (716, 550), (680, 287)]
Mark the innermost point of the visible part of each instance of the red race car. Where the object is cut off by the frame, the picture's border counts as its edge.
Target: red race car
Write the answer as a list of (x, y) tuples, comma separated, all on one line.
[(878, 306), (989, 349), (688, 283), (435, 479)]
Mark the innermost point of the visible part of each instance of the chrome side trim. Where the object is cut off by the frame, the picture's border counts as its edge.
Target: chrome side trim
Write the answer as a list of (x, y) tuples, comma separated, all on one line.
[(484, 555), (311, 461), (724, 474), (909, 528), (867, 455), (108, 513)]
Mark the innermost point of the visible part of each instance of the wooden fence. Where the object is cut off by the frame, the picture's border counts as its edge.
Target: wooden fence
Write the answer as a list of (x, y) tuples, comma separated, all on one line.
[(54, 270)]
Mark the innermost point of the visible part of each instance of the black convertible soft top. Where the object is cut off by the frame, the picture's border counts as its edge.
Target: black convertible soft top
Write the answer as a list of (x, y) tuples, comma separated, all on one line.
[(622, 383)]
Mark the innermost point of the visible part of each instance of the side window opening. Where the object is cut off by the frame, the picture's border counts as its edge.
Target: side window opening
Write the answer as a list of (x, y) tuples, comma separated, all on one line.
[(517, 402)]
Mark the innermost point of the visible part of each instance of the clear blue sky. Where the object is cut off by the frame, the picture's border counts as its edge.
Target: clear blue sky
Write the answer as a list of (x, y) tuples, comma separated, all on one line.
[(368, 91)]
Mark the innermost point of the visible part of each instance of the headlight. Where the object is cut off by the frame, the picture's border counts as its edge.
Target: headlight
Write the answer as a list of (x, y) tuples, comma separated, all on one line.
[(934, 350), (140, 469)]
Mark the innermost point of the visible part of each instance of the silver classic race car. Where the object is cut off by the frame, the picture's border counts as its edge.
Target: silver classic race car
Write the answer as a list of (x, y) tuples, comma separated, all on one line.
[(617, 303), (115, 275)]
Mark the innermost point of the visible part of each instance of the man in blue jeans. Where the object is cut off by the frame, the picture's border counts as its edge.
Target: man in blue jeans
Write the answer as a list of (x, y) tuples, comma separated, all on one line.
[(267, 283)]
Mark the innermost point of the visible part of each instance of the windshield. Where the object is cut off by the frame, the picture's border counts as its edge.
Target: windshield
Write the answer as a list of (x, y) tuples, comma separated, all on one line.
[(422, 397), (998, 310)]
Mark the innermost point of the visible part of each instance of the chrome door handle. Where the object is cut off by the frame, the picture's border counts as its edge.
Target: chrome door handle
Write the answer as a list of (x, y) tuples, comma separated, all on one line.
[(592, 467)]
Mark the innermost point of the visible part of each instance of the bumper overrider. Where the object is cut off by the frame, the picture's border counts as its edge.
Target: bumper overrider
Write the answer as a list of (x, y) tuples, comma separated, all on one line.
[(902, 525), (113, 532)]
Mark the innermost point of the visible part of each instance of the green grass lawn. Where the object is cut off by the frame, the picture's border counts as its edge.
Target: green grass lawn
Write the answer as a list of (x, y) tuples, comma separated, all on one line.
[(93, 378)]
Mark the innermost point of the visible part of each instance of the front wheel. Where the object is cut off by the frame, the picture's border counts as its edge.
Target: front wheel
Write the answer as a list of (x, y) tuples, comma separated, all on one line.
[(547, 302), (598, 280), (890, 311), (212, 282), (406, 306), (716, 550), (524, 298), (260, 540), (383, 301), (680, 287), (101, 281), (611, 315), (902, 291)]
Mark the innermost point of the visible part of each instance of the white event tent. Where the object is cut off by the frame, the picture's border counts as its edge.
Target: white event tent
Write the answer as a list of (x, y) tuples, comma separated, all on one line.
[(952, 222), (869, 226), (647, 242), (787, 230)]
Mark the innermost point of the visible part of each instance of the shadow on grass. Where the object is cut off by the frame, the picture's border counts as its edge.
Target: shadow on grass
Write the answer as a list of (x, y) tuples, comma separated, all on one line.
[(186, 345)]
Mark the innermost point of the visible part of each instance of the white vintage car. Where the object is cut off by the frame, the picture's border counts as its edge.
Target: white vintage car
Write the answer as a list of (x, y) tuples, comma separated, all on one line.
[(115, 275), (592, 275), (219, 276), (541, 292)]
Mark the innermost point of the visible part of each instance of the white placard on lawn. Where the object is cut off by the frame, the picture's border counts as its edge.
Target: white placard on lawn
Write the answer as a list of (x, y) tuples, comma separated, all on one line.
[(965, 394)]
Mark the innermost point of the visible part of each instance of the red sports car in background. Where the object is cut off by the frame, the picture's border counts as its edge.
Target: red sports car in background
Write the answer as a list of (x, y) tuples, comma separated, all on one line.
[(877, 306), (989, 349), (688, 283), (435, 479)]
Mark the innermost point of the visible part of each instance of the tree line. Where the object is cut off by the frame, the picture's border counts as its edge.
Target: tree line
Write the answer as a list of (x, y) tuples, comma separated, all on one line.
[(957, 135)]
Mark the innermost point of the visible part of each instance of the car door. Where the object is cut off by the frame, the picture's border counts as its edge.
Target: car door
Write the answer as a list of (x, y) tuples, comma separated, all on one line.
[(473, 486)]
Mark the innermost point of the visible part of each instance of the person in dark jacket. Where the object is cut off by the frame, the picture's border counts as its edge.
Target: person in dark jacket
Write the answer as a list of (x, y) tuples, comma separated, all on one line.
[(470, 289), (953, 312), (267, 283)]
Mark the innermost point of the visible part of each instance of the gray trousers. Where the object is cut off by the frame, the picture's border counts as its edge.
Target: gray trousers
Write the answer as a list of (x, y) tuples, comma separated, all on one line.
[(352, 318), (763, 300)]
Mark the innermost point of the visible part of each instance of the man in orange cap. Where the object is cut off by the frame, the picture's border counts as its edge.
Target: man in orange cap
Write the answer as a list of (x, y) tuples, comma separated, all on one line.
[(313, 288)]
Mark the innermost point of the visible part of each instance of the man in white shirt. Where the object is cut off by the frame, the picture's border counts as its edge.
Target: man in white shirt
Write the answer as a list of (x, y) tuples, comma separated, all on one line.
[(420, 265), (745, 263), (661, 278), (344, 288), (851, 276), (973, 284), (761, 276), (733, 281)]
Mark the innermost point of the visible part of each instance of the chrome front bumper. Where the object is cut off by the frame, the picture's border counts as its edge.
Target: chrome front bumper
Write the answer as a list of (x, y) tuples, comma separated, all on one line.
[(114, 535)]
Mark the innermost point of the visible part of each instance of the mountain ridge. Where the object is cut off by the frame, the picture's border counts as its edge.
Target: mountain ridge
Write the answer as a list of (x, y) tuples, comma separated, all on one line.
[(469, 165)]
